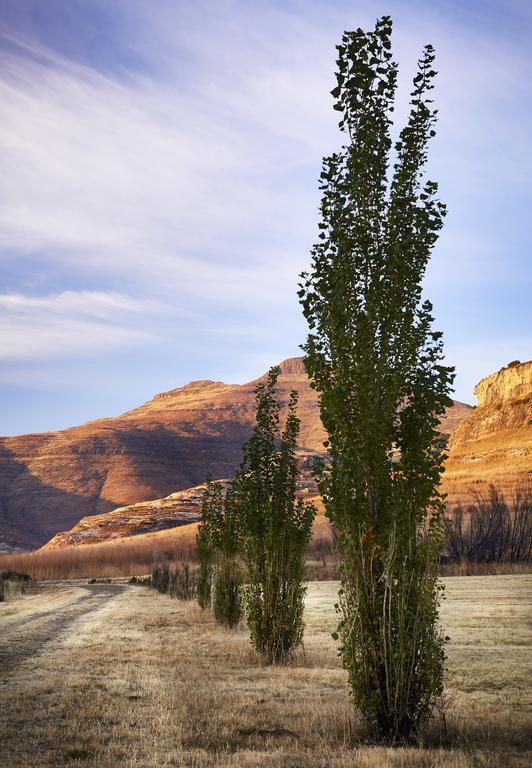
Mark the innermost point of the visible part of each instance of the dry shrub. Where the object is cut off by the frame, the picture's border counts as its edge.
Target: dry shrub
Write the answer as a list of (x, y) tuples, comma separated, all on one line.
[(183, 582), (491, 529), (160, 576), (177, 580)]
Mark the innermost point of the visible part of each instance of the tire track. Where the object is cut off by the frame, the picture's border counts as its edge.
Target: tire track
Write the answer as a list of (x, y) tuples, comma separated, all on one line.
[(23, 638)]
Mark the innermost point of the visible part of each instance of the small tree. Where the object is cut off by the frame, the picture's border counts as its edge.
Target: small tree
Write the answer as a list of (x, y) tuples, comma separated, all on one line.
[(220, 532), (377, 365), (275, 527)]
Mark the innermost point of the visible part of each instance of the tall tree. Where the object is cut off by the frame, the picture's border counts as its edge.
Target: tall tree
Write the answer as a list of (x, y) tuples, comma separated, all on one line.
[(275, 527), (377, 364)]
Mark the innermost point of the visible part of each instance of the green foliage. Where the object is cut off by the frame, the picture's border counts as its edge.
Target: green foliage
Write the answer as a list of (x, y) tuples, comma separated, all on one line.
[(227, 603), (274, 527), (205, 556), (377, 364), (219, 537)]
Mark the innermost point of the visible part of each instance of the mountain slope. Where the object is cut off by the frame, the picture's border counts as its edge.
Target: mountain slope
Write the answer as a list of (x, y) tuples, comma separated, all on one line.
[(49, 481)]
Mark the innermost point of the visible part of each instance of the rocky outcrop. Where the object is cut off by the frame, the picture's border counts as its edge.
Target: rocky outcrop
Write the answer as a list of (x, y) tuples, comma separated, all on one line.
[(509, 385), (49, 481), (493, 444), (172, 511)]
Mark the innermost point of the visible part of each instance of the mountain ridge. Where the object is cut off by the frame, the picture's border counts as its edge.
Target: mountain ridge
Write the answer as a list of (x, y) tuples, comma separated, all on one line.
[(49, 481)]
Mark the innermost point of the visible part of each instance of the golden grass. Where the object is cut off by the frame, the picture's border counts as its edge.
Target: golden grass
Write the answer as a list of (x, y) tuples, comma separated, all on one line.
[(132, 556), (144, 680), (126, 556), (135, 555)]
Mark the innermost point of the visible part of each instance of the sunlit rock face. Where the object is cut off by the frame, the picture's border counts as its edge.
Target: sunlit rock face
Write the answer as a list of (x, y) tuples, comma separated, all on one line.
[(180, 508), (493, 444)]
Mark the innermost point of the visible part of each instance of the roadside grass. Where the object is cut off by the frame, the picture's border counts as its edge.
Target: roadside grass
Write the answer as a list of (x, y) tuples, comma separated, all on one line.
[(150, 681)]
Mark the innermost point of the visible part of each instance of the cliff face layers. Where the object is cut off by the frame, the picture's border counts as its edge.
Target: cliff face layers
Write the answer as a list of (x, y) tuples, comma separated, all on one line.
[(493, 444), (49, 481), (177, 509)]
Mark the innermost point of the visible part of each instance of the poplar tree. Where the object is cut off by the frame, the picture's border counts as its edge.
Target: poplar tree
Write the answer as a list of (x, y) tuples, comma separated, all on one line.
[(275, 527), (377, 365)]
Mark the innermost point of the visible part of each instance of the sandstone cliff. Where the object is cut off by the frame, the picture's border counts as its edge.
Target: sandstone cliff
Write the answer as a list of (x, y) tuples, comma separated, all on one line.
[(493, 444), (49, 481)]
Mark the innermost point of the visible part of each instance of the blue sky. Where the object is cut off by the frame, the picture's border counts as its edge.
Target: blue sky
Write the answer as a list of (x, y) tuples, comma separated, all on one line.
[(159, 194)]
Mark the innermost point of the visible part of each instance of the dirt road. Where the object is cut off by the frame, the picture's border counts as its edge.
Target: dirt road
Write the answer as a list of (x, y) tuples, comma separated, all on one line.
[(49, 646), (39, 622)]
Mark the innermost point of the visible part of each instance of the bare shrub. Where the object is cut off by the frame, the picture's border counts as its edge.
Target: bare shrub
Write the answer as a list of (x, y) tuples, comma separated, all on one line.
[(160, 576), (177, 579), (490, 530), (182, 582)]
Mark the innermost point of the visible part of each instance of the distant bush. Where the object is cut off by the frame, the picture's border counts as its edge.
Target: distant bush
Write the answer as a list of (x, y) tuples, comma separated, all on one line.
[(320, 548), (160, 576), (144, 581), (12, 584), (183, 581), (14, 576)]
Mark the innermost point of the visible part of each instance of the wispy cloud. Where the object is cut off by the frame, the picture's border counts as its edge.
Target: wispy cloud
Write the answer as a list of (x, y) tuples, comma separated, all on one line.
[(179, 165), (220, 167), (69, 323), (129, 172)]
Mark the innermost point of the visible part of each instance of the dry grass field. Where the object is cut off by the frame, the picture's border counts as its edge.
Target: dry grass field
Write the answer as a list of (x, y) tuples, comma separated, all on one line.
[(118, 675)]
